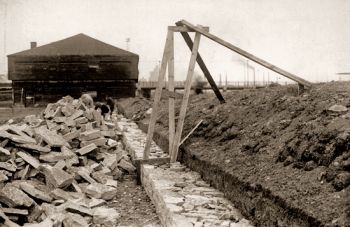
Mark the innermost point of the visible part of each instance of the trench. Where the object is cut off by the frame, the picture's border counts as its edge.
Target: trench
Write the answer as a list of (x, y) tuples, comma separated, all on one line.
[(256, 203)]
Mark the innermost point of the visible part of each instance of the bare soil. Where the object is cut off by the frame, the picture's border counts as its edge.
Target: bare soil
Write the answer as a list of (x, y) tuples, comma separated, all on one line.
[(289, 144)]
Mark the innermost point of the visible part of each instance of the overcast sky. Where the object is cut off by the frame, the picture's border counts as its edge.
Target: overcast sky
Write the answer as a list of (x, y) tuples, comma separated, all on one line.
[(308, 38)]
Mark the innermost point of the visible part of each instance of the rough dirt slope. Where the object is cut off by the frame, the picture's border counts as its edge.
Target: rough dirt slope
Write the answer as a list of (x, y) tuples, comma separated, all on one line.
[(296, 146)]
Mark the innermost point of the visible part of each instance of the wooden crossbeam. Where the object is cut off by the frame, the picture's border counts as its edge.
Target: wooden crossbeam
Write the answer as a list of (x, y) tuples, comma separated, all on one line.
[(184, 29), (245, 54), (203, 67), (184, 103)]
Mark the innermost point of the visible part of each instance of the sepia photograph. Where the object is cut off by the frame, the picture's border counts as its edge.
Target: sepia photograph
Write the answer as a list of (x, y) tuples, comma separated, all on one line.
[(163, 113)]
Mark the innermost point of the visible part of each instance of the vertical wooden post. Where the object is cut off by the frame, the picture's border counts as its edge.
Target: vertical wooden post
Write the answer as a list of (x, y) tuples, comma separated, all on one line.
[(186, 95), (171, 89), (157, 96)]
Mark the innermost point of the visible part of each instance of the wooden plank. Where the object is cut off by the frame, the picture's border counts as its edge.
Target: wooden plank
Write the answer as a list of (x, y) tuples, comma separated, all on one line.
[(190, 133), (203, 67), (184, 29), (186, 96), (245, 54), (171, 72), (157, 96)]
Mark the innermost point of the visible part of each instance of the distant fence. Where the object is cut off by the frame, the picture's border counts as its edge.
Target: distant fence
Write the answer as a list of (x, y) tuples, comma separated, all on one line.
[(230, 85)]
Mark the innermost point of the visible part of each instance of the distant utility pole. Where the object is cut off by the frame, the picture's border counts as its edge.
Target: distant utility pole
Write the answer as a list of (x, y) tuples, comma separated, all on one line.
[(127, 43)]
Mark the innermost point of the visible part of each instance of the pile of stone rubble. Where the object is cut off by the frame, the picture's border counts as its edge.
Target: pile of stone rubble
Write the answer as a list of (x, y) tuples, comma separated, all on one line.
[(61, 168)]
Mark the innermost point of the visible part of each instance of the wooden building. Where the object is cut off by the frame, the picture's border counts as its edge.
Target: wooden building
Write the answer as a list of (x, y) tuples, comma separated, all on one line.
[(70, 67)]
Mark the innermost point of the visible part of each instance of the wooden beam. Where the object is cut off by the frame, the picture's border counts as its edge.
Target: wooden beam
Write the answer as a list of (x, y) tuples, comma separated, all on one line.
[(157, 96), (186, 96), (203, 67), (171, 90), (245, 54), (190, 133), (184, 29)]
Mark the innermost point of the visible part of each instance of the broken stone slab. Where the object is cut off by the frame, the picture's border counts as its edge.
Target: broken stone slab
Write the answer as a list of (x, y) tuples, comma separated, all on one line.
[(101, 191), (105, 216), (74, 220), (85, 174), (65, 153), (4, 151), (76, 208), (60, 164), (46, 223), (93, 202), (13, 197), (127, 166), (34, 192), (98, 142), (86, 149), (34, 213), (16, 138), (51, 137), (108, 133), (29, 159), (8, 166), (71, 135), (3, 177), (61, 194), (100, 177), (15, 211), (90, 134), (67, 110), (81, 120), (56, 178), (76, 114), (7, 221), (34, 147)]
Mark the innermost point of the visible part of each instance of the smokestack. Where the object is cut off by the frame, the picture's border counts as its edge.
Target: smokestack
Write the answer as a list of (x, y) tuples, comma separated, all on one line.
[(32, 45)]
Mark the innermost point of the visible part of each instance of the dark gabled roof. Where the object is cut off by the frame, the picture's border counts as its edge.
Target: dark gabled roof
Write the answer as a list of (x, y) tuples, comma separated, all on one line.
[(80, 44)]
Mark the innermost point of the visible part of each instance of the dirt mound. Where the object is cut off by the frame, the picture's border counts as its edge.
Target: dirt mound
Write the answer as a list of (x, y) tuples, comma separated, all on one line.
[(295, 145)]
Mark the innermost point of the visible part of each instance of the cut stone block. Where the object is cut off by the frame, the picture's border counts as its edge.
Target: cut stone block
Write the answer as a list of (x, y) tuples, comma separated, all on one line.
[(67, 110), (8, 166), (105, 216), (57, 156), (57, 178), (126, 166), (3, 177), (14, 197), (14, 211), (101, 191), (61, 194), (81, 120), (98, 142), (85, 174), (74, 220), (46, 223), (17, 138), (86, 149), (90, 134), (100, 177), (34, 192), (29, 159), (108, 133), (76, 114), (76, 208), (71, 135), (51, 137), (35, 147), (4, 151)]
